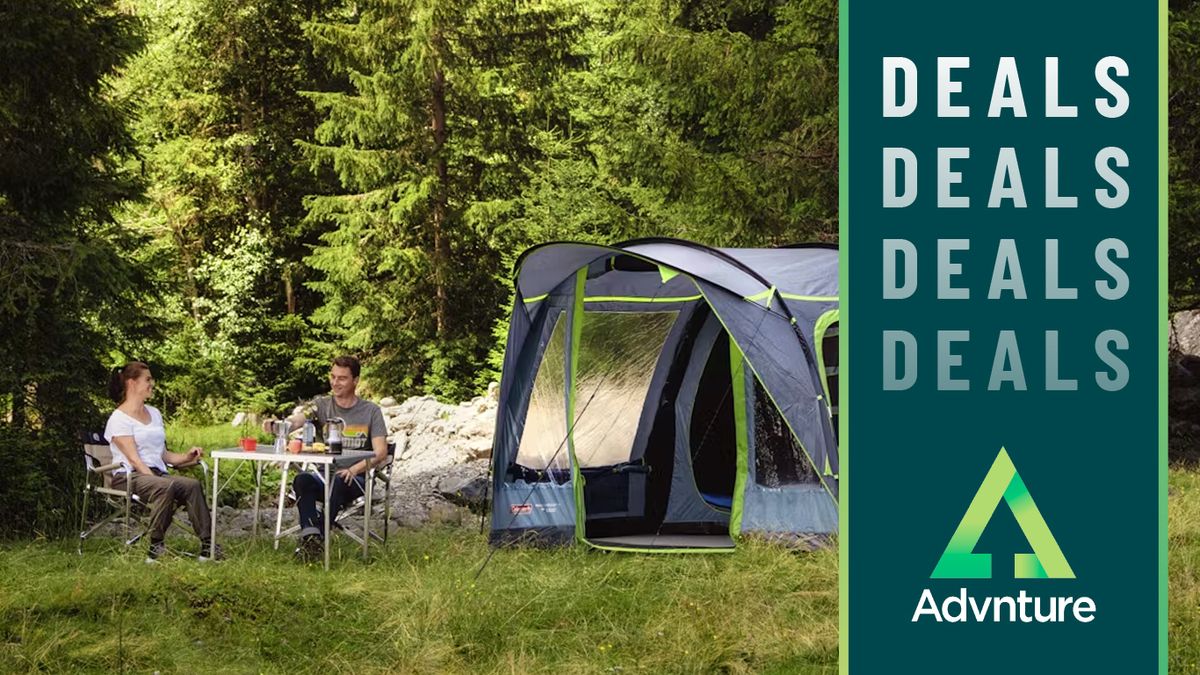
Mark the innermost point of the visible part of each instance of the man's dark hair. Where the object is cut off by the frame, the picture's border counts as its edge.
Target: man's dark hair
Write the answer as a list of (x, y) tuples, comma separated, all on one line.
[(349, 362)]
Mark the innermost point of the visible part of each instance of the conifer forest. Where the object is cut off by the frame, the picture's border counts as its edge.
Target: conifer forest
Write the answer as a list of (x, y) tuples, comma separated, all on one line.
[(235, 191)]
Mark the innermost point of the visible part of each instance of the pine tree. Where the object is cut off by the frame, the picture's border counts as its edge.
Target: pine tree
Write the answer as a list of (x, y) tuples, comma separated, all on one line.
[(431, 146), (1184, 140), (219, 112), (70, 292), (707, 120)]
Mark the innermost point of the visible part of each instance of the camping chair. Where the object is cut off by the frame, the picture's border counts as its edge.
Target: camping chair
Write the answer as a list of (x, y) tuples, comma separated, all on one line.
[(124, 504), (377, 478)]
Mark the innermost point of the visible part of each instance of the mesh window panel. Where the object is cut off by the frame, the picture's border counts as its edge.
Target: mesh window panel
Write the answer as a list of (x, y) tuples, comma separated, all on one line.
[(543, 438), (778, 458), (618, 354)]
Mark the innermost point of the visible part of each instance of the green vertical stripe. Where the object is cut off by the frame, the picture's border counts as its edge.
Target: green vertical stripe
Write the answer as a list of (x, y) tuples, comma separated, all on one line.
[(1163, 319), (843, 338), (576, 332), (737, 375)]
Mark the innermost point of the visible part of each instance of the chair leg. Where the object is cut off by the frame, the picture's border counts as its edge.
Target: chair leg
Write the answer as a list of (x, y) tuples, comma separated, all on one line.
[(128, 505), (91, 530), (387, 508), (279, 506), (83, 519)]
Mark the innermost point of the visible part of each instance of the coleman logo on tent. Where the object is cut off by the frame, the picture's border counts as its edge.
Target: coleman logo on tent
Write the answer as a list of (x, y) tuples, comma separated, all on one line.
[(959, 561), (520, 509)]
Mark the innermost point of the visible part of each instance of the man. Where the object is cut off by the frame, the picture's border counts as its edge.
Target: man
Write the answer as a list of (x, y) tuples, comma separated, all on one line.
[(365, 430)]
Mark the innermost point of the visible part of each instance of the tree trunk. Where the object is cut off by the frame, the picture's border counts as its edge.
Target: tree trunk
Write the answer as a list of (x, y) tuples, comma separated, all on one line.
[(441, 244), (288, 289), (191, 289)]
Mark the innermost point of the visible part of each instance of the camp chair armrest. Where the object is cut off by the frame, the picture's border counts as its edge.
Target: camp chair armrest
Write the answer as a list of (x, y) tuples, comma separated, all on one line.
[(188, 465), (107, 467)]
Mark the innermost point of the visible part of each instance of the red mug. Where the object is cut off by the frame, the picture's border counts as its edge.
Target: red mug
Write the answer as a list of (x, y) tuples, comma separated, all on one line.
[(249, 444)]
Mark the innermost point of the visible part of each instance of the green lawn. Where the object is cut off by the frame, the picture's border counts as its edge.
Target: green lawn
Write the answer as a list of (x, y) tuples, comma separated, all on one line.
[(1183, 583), (415, 607), (237, 486)]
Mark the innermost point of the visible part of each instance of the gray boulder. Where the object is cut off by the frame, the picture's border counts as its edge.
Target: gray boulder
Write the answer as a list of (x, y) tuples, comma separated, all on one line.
[(466, 485)]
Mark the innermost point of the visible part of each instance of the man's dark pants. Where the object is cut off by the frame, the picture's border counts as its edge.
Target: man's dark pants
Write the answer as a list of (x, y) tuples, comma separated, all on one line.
[(310, 491)]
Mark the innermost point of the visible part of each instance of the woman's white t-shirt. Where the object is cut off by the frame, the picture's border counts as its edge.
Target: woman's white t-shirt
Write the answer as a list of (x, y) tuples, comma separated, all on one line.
[(149, 439)]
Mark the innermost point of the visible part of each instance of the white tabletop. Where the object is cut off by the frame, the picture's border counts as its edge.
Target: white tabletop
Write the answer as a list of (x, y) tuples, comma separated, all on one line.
[(268, 454)]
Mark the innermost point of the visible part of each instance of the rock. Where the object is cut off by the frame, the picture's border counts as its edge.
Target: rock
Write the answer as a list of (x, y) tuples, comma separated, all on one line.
[(401, 443), (442, 457), (478, 427), (493, 393), (1183, 388), (1185, 332), (238, 420), (447, 514), (480, 448), (466, 486)]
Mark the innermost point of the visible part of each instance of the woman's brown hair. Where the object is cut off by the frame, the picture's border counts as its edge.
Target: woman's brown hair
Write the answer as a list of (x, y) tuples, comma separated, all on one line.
[(119, 376)]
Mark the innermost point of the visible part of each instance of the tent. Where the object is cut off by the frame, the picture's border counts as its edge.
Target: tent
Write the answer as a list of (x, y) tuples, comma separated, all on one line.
[(663, 395)]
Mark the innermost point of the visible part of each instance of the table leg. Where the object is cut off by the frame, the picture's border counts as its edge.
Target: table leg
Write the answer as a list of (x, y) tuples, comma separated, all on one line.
[(367, 511), (279, 508), (212, 536), (257, 489), (328, 534)]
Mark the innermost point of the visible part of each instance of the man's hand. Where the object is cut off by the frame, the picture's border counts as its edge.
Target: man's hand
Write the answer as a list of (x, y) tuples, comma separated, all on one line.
[(346, 475), (195, 454)]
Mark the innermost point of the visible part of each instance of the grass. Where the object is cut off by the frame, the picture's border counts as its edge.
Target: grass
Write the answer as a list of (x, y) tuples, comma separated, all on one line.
[(1183, 579), (237, 486), (416, 608), (181, 437)]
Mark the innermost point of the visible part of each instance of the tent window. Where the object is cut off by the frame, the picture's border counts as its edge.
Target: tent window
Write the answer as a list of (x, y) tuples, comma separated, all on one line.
[(618, 354), (546, 421), (778, 457), (829, 356)]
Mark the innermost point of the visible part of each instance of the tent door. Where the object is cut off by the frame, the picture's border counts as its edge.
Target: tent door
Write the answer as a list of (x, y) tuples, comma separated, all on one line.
[(713, 439)]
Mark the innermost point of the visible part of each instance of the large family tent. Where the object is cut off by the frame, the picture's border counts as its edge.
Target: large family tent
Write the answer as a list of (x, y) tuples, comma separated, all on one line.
[(663, 395)]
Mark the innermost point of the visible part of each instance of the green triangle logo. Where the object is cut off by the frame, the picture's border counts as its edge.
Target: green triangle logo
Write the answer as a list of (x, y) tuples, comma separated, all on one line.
[(959, 561)]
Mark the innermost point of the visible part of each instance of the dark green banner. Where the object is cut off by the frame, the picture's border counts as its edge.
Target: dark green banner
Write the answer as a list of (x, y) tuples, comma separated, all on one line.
[(1003, 228)]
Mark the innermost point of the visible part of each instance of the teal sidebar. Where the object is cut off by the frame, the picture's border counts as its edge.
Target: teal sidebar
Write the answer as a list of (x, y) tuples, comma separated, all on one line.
[(1003, 320)]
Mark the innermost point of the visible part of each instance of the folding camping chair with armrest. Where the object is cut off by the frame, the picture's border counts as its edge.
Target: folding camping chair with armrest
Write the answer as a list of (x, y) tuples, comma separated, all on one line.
[(98, 459), (379, 477)]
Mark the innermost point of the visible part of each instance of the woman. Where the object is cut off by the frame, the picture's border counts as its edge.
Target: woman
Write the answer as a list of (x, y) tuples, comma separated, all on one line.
[(139, 442)]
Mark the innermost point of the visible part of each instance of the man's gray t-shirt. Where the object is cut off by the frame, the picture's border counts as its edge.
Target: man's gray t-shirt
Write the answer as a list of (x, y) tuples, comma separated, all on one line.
[(364, 421)]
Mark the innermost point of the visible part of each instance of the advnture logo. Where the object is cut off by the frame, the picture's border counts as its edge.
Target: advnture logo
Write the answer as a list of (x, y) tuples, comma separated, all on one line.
[(960, 561), (1002, 482)]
